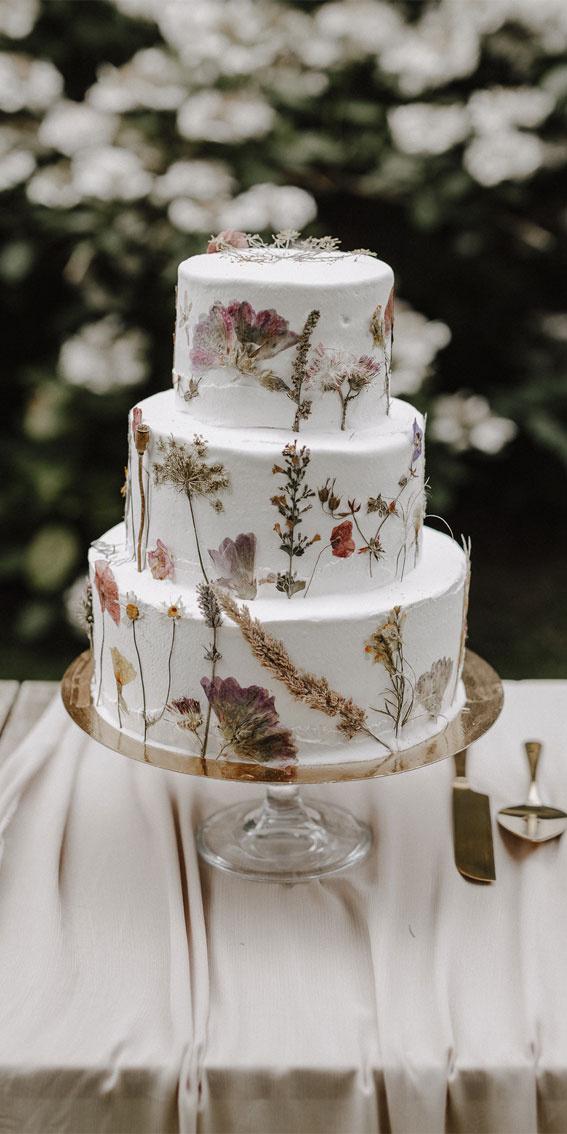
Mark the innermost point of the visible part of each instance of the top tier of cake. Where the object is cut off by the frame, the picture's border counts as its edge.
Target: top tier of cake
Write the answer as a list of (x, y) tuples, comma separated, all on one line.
[(284, 341)]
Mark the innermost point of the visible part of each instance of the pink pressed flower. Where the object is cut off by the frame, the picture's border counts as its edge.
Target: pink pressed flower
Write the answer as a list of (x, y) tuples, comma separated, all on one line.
[(161, 562), (136, 419), (107, 589), (231, 236)]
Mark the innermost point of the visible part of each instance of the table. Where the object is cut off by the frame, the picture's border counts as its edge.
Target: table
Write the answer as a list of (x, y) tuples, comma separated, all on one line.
[(143, 992)]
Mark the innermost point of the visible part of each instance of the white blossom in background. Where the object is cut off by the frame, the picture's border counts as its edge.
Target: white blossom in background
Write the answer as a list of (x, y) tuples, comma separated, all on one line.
[(506, 155), (103, 355), (52, 187), (442, 45), (499, 108), (217, 116), (223, 37), (15, 167), (554, 326), (272, 207), (358, 27), (417, 341), (17, 17), (109, 173), (188, 216), (465, 421), (151, 79), (28, 84), (427, 128), (71, 126), (16, 162), (201, 180)]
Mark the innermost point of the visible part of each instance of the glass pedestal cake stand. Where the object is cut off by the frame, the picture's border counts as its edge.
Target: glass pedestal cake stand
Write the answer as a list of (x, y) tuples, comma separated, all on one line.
[(284, 838)]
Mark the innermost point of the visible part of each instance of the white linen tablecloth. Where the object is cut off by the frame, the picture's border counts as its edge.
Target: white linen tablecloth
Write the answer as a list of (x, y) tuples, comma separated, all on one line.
[(142, 992)]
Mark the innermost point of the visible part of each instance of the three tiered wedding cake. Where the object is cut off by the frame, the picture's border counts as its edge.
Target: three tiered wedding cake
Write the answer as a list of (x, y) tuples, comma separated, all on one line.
[(272, 595)]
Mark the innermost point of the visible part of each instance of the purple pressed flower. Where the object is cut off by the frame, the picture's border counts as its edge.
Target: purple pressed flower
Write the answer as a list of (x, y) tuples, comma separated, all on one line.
[(238, 336), (416, 441), (234, 561), (248, 721)]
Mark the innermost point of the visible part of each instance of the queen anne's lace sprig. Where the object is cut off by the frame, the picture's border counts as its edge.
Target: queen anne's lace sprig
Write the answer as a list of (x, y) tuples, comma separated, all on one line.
[(323, 249)]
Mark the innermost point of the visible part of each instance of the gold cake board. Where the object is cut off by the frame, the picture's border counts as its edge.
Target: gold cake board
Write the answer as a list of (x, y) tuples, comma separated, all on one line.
[(484, 698)]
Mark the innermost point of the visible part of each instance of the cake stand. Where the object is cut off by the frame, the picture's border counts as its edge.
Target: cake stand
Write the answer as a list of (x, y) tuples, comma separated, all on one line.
[(284, 838)]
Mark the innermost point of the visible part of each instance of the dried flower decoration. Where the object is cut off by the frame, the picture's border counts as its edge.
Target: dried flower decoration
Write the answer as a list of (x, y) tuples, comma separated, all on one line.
[(382, 331), (228, 238), (235, 560), (386, 647), (132, 611), (342, 543), (208, 604), (186, 712), (136, 419), (141, 442), (239, 337), (248, 722), (107, 590), (417, 441), (124, 673), (87, 611), (186, 470), (161, 561), (325, 249), (430, 686), (342, 374), (306, 687), (291, 503), (174, 610)]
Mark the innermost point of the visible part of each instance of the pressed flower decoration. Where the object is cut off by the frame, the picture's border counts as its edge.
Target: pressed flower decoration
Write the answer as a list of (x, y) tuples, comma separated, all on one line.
[(124, 673), (237, 336), (107, 591), (228, 238), (234, 560), (341, 545), (161, 561), (386, 647), (208, 604), (185, 468), (431, 686), (248, 722), (292, 502), (141, 442), (382, 331), (306, 687), (407, 506), (133, 615), (186, 712), (345, 375)]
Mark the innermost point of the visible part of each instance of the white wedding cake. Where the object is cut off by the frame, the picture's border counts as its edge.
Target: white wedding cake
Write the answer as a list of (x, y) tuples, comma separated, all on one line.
[(272, 595)]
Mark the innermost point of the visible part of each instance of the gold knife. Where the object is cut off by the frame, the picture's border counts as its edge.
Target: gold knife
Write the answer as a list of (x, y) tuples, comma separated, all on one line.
[(472, 828)]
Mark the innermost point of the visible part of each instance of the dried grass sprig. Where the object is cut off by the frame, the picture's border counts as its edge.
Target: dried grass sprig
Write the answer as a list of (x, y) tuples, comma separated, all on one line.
[(299, 370), (306, 687)]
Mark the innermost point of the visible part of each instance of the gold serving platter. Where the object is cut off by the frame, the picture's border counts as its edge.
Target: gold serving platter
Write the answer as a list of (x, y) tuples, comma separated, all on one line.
[(484, 701)]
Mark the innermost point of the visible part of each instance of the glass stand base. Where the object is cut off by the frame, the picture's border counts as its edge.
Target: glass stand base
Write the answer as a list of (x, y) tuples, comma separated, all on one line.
[(283, 839)]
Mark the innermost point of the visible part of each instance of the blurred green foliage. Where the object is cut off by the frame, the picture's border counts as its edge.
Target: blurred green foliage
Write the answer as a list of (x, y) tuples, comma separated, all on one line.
[(475, 244)]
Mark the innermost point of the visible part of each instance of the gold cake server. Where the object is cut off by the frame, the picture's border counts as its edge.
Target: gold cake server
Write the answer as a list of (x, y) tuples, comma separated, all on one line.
[(472, 828), (533, 820)]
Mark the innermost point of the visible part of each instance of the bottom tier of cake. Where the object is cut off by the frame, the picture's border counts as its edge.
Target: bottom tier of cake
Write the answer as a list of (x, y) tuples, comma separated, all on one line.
[(311, 680)]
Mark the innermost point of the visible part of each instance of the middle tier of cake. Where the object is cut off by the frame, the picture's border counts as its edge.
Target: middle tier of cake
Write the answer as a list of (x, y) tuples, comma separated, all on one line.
[(271, 517)]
